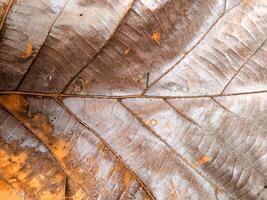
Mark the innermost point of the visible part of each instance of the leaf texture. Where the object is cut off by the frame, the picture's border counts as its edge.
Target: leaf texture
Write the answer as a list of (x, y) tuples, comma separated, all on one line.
[(133, 99)]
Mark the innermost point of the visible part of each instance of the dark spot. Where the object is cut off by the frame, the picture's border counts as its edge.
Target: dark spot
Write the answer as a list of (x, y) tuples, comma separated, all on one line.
[(81, 14)]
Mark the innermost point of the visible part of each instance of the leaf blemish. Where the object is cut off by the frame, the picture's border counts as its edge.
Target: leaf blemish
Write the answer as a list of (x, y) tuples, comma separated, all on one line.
[(156, 37), (127, 51), (153, 122), (28, 51), (202, 160)]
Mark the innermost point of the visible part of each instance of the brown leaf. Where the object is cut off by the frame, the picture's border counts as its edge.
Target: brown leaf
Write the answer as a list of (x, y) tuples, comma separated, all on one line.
[(133, 99)]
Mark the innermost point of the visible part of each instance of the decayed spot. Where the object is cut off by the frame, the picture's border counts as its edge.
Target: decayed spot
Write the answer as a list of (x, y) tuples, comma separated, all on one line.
[(28, 51), (156, 37), (127, 51), (202, 160), (26, 164), (14, 102), (153, 122), (7, 192)]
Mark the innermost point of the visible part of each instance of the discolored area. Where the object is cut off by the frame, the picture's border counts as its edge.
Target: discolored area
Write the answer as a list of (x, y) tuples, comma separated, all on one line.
[(23, 164), (93, 168)]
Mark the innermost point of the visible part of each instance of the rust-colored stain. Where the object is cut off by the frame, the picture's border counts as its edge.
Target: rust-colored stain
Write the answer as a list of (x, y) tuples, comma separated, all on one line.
[(156, 37), (37, 122), (35, 183), (14, 102), (78, 195), (127, 178), (202, 160), (40, 123), (127, 51), (59, 148), (7, 192), (12, 163), (153, 122), (28, 51)]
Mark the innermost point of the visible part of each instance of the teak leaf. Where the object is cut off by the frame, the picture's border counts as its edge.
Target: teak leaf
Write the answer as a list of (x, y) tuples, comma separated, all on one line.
[(133, 99)]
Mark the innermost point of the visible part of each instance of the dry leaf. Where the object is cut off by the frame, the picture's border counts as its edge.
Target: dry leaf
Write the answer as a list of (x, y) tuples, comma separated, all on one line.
[(100, 111)]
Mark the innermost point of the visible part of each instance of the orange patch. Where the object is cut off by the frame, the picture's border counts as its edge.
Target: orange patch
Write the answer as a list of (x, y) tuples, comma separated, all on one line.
[(153, 122), (59, 148), (35, 183), (14, 102), (156, 36), (127, 178), (40, 124), (202, 160), (28, 52), (127, 51), (11, 164), (7, 192), (46, 196), (78, 195)]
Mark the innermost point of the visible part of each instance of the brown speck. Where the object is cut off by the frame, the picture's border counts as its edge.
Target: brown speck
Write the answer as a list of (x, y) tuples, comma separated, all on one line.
[(153, 122), (28, 51), (127, 51), (156, 37), (202, 160)]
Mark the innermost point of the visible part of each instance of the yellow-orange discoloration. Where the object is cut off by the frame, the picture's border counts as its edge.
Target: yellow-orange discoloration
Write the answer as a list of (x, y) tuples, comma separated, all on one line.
[(202, 160), (155, 36), (46, 196), (127, 178), (78, 195), (153, 122), (11, 164), (59, 148), (127, 51), (28, 51), (7, 192), (35, 183), (40, 124), (14, 102)]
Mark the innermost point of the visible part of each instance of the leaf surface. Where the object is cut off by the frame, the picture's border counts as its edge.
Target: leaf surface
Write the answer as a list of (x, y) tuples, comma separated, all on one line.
[(133, 99)]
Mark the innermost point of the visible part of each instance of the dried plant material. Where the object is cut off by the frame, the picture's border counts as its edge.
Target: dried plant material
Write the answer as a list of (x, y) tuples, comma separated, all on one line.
[(148, 100)]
